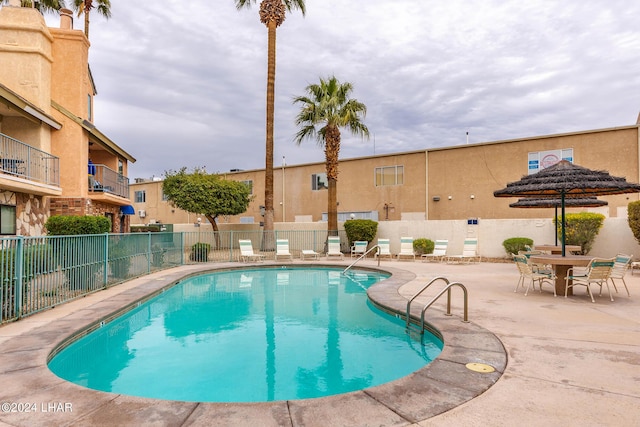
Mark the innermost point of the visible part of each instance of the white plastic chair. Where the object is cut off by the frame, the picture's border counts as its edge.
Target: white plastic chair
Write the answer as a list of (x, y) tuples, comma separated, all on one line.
[(620, 267), (406, 248), (246, 252), (598, 272), (359, 248), (439, 251), (469, 252), (282, 249), (384, 248), (533, 277), (333, 247)]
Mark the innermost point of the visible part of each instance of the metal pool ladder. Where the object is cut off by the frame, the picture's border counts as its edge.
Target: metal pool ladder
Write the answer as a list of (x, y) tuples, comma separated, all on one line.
[(360, 257), (446, 289)]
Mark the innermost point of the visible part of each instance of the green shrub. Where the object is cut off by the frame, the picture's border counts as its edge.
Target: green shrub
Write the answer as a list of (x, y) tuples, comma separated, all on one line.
[(516, 244), (581, 229), (81, 258), (633, 215), (360, 229), (71, 225), (119, 258), (200, 252), (423, 246)]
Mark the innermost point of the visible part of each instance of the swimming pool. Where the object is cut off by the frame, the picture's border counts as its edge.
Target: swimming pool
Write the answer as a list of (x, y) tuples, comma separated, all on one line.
[(249, 335)]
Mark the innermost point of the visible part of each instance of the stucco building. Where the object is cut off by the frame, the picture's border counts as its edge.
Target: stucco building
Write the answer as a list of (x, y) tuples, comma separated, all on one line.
[(433, 184), (47, 131)]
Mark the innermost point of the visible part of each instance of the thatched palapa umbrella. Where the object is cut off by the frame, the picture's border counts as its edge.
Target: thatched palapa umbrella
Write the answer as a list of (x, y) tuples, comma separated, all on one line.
[(564, 179), (545, 202)]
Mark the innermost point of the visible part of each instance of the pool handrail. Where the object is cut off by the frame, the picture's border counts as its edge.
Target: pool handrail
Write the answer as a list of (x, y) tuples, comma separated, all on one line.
[(362, 256), (447, 288)]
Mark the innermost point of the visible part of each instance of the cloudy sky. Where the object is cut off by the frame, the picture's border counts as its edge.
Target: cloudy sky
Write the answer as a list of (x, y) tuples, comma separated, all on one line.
[(182, 83)]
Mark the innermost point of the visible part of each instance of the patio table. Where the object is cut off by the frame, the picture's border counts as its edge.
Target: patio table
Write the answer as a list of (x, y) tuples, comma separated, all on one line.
[(557, 249), (561, 264)]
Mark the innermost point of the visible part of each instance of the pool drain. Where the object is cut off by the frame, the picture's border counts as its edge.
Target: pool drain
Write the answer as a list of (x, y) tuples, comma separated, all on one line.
[(480, 367)]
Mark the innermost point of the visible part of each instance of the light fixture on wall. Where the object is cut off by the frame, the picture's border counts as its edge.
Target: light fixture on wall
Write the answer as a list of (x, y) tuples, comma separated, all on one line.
[(436, 198), (450, 197), (472, 197)]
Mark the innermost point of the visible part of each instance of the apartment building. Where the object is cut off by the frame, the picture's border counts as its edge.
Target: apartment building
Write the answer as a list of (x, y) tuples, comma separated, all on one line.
[(53, 159), (449, 183)]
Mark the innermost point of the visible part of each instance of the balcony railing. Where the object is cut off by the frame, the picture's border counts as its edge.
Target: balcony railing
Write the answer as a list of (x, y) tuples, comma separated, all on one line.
[(24, 161), (107, 180)]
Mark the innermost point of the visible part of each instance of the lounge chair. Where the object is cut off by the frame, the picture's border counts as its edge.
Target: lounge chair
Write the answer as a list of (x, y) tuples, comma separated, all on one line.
[(533, 277), (406, 248), (383, 249), (598, 272), (282, 249), (309, 254), (439, 251), (246, 252), (469, 252), (620, 267), (359, 248), (333, 247)]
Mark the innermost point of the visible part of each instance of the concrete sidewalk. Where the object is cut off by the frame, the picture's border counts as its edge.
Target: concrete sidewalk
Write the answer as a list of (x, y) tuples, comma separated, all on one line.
[(570, 361)]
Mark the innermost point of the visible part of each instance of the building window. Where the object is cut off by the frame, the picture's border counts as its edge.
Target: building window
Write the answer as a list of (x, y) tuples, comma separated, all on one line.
[(539, 160), (165, 198), (7, 219), (120, 167), (389, 175), (89, 108), (249, 183), (140, 196), (319, 181)]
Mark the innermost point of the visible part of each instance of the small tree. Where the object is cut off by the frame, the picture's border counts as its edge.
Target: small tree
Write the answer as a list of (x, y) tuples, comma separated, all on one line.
[(633, 215), (516, 244), (206, 194), (360, 229), (581, 229)]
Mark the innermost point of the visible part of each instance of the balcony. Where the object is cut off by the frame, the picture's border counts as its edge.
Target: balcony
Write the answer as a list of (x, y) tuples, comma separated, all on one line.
[(108, 181), (24, 161)]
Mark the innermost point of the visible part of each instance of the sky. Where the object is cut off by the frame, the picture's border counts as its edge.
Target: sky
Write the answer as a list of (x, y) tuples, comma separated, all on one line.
[(183, 83)]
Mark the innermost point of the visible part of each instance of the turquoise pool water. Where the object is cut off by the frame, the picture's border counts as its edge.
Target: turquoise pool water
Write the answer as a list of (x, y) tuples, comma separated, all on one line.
[(249, 335)]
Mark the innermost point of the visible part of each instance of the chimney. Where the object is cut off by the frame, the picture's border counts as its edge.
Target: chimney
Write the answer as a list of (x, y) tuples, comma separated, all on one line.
[(66, 19)]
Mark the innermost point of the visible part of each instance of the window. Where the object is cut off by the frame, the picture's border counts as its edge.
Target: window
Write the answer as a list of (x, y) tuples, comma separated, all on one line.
[(165, 198), (7, 219), (319, 181), (120, 167), (140, 196), (389, 175), (249, 183)]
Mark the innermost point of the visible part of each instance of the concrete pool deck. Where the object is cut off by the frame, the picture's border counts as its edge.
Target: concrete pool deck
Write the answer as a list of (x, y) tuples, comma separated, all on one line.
[(567, 362)]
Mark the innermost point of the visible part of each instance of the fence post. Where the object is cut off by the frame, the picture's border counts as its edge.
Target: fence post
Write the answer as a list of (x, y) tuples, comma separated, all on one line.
[(182, 248), (149, 254), (19, 276), (231, 238), (105, 274)]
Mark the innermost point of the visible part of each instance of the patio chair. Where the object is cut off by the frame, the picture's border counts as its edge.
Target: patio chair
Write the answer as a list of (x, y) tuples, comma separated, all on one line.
[(528, 274), (383, 249), (406, 248), (469, 252), (439, 251), (359, 248), (246, 252), (282, 249), (333, 247), (598, 272), (621, 265)]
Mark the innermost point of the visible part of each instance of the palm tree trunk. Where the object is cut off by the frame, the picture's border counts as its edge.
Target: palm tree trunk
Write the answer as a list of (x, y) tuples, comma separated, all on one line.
[(268, 179), (86, 23), (331, 152), (332, 207)]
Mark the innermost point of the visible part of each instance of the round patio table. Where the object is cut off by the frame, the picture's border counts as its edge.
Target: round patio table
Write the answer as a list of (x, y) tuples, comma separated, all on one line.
[(561, 264), (557, 249)]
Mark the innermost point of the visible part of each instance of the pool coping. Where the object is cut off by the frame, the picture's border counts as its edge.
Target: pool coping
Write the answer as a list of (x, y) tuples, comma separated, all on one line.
[(442, 385)]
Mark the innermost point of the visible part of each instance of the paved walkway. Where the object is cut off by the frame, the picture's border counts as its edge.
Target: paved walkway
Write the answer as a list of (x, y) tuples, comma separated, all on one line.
[(567, 362)]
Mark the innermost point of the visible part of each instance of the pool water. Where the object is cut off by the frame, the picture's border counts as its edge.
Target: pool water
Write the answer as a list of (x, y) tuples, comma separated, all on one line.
[(250, 335)]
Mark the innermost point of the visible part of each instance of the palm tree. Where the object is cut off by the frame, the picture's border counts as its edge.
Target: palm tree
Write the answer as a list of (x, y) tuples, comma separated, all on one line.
[(85, 6), (329, 104), (272, 15)]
